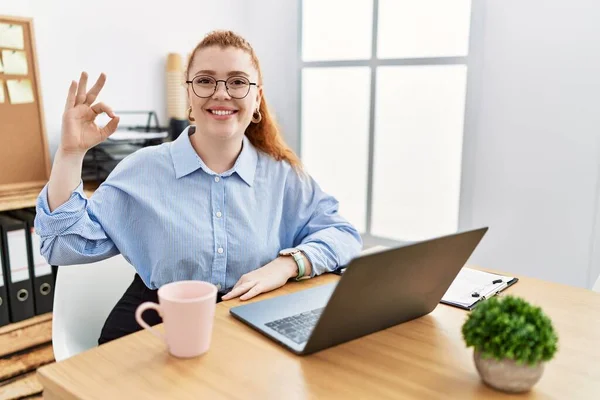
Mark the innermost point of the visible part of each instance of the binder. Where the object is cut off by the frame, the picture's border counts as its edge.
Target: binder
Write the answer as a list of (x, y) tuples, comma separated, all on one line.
[(32, 211), (4, 314), (13, 235), (471, 287), (39, 269)]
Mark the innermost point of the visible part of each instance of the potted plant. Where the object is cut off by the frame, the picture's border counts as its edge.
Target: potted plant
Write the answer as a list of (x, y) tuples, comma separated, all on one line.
[(512, 340)]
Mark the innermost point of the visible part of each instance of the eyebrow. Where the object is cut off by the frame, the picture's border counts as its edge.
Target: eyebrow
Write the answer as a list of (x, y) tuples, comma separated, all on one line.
[(230, 73)]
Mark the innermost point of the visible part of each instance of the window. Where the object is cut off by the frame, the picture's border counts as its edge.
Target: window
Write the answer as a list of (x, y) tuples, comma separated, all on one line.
[(335, 117), (383, 89)]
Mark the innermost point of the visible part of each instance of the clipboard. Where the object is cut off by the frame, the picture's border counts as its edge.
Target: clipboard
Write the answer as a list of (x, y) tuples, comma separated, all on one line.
[(471, 287)]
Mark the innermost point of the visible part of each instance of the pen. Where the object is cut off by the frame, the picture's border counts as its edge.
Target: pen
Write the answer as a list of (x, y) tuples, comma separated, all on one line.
[(495, 281)]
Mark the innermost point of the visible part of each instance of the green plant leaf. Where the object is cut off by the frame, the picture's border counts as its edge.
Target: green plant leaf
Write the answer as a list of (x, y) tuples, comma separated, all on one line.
[(510, 328)]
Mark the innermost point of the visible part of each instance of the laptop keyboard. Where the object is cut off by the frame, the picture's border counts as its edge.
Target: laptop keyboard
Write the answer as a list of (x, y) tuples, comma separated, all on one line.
[(297, 327)]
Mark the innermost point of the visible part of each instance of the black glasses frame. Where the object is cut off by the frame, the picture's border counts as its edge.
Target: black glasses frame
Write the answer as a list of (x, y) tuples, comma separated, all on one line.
[(217, 84)]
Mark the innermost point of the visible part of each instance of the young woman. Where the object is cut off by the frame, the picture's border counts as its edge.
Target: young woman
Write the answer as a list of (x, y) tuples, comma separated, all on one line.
[(227, 202)]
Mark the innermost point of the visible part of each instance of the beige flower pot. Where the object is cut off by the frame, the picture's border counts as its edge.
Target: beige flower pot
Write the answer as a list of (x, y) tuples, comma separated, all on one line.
[(507, 375)]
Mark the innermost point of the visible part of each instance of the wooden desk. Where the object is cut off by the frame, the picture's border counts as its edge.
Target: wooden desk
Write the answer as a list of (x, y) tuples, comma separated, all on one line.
[(421, 359)]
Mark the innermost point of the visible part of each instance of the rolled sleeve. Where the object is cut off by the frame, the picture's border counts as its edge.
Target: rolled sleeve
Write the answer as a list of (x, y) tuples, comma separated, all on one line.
[(49, 223), (330, 248), (69, 235)]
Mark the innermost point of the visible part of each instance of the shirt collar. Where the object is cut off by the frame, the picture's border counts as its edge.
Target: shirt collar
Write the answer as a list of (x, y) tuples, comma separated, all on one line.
[(245, 165), (186, 160)]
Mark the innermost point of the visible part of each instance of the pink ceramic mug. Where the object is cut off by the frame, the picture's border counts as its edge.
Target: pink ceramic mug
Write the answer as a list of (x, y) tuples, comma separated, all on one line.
[(187, 309)]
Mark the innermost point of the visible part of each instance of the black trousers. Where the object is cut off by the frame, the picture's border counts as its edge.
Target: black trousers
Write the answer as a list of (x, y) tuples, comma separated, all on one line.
[(121, 320)]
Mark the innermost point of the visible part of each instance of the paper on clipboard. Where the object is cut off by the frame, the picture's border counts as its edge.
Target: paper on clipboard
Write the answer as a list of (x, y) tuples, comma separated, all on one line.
[(1, 92), (471, 285)]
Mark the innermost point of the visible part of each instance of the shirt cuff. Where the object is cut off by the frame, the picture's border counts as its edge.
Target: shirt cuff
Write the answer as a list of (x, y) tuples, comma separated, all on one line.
[(64, 216), (312, 254)]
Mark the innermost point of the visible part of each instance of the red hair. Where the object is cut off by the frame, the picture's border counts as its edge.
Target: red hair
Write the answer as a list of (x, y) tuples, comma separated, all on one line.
[(265, 135)]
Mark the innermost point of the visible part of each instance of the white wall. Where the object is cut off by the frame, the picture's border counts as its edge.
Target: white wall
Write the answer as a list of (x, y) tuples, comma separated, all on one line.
[(15, 7), (531, 153), (271, 26), (128, 40)]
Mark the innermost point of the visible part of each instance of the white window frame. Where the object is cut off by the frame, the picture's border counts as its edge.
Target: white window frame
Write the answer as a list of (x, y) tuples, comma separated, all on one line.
[(373, 63)]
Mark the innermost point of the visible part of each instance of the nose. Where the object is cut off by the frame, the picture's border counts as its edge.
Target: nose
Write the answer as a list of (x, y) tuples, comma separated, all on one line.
[(221, 92)]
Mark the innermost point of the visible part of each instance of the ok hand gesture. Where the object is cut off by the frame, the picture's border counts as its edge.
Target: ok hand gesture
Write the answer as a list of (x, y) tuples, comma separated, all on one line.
[(79, 131)]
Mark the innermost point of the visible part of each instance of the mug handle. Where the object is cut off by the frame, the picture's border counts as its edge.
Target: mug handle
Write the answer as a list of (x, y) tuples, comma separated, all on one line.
[(138, 317)]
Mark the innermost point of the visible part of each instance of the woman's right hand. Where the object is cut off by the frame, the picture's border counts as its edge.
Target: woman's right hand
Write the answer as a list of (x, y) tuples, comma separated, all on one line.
[(79, 131)]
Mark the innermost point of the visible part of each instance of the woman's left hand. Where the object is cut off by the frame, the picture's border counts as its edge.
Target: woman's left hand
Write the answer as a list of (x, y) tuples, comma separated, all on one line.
[(272, 276)]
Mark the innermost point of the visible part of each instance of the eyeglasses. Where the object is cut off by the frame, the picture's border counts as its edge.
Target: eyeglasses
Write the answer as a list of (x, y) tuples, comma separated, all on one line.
[(237, 87)]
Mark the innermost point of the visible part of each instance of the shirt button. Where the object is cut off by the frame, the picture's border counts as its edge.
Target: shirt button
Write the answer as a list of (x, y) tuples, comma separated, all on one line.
[(218, 286), (219, 214), (217, 179), (220, 250)]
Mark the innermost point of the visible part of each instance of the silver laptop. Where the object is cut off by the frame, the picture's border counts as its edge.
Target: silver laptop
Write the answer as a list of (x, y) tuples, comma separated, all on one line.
[(375, 292)]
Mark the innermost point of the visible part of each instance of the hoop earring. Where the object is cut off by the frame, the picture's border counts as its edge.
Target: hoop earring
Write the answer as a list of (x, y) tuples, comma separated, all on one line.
[(256, 119), (190, 114)]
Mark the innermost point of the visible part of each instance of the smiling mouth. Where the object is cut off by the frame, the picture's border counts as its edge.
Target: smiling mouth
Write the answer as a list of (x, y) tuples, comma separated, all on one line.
[(222, 112)]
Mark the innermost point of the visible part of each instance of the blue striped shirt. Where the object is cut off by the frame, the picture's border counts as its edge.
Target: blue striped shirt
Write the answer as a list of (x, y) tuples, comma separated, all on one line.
[(174, 219)]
